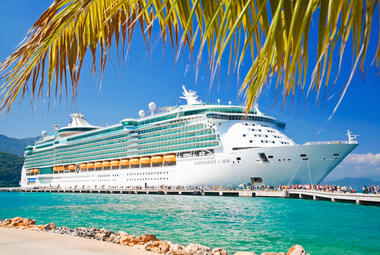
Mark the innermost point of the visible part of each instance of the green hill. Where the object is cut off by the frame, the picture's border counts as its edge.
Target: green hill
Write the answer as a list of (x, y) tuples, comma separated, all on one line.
[(10, 169), (14, 145)]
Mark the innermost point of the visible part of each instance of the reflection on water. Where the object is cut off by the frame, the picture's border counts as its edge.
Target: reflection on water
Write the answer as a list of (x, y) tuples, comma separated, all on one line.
[(256, 224)]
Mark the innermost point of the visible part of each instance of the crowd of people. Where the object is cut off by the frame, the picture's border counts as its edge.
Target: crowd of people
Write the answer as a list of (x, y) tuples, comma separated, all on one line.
[(370, 189)]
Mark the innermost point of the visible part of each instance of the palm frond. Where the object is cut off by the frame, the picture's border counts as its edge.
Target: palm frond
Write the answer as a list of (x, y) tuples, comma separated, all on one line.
[(274, 34)]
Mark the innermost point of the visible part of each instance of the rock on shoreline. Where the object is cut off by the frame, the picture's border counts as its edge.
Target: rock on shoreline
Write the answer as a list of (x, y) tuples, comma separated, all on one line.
[(147, 242)]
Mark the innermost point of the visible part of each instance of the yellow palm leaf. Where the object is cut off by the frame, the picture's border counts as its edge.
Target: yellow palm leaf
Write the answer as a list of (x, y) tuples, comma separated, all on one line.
[(274, 34)]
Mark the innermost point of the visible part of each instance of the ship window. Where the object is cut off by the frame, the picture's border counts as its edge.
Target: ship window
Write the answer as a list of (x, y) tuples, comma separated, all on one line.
[(336, 154), (305, 158), (270, 156), (303, 155), (244, 135), (263, 157), (238, 158), (250, 141)]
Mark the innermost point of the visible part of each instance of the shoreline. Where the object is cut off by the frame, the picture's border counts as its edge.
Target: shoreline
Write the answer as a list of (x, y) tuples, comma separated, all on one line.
[(19, 242), (21, 235)]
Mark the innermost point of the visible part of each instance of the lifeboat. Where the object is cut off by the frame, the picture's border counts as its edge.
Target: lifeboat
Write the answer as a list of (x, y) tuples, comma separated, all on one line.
[(115, 163), (61, 168), (124, 162), (83, 166), (170, 158), (106, 164), (36, 171), (31, 171), (145, 160), (98, 164), (157, 159), (72, 167), (90, 165), (55, 169), (134, 161)]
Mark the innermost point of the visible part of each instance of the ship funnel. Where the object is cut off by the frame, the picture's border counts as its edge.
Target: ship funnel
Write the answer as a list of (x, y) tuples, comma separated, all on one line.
[(77, 120)]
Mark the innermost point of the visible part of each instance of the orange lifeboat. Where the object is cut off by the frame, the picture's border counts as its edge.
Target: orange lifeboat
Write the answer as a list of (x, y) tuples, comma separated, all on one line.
[(55, 168), (157, 159), (83, 166), (170, 158), (145, 160), (31, 171), (36, 171), (106, 164), (90, 165), (72, 167), (134, 161), (115, 163), (61, 168), (98, 164), (124, 162)]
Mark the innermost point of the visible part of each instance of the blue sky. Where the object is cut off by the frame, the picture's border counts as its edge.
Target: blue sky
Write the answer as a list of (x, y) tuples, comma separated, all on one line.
[(156, 76)]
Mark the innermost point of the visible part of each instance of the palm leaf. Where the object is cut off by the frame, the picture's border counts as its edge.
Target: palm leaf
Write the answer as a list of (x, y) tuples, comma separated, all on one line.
[(273, 34)]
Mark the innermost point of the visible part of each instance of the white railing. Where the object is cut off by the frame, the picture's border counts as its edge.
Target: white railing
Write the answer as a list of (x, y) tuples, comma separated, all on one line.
[(329, 142)]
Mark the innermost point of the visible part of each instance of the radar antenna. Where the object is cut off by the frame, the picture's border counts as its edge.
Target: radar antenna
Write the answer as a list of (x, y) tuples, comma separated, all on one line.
[(141, 113), (152, 107), (190, 96)]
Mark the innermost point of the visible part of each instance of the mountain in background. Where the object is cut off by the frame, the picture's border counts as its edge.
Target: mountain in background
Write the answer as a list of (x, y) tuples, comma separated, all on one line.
[(356, 183), (10, 169), (14, 145)]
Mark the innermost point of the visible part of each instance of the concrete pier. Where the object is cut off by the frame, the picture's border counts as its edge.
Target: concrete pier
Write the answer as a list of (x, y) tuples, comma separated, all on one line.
[(357, 198)]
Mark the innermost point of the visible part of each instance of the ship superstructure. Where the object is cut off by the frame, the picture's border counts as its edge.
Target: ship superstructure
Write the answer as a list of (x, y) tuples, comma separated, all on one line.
[(192, 144)]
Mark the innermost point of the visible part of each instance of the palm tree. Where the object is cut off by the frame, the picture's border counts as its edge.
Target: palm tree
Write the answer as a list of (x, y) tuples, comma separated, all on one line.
[(274, 34)]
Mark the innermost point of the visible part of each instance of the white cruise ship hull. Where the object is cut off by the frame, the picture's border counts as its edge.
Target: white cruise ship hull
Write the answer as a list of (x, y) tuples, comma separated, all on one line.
[(188, 145), (285, 166)]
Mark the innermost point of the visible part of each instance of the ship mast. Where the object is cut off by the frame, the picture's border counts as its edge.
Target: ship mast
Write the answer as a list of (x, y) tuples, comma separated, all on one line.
[(351, 137)]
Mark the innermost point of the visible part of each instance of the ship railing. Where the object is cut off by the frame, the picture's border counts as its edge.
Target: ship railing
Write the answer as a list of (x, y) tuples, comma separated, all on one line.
[(330, 142)]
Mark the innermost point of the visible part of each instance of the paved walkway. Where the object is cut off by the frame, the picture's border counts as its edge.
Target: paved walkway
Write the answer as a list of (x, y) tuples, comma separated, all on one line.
[(21, 242)]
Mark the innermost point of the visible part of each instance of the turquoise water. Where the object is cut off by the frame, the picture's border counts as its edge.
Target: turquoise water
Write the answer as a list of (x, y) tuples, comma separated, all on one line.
[(255, 224)]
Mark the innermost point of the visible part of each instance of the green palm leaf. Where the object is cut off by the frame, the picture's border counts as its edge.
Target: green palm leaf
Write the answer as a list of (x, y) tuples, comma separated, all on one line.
[(278, 46)]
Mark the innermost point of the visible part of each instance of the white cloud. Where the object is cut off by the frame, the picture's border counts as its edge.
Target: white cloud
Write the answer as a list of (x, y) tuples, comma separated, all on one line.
[(357, 165), (369, 158)]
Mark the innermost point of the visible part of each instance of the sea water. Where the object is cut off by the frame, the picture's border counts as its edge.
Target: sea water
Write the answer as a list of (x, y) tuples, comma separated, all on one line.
[(233, 223)]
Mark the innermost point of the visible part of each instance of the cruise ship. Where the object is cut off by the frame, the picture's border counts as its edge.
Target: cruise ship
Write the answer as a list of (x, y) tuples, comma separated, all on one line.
[(193, 144)]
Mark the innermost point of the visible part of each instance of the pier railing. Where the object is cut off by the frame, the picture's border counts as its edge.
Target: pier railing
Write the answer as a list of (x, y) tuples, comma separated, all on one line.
[(358, 198)]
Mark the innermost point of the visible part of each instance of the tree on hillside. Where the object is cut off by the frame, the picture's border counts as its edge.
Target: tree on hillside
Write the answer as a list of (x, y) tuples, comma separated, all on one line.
[(10, 169), (274, 34)]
